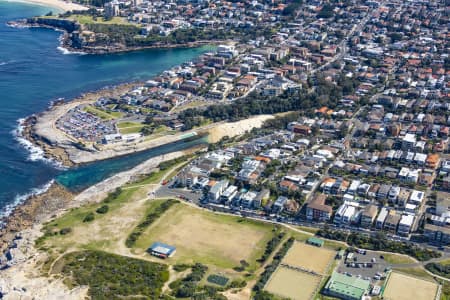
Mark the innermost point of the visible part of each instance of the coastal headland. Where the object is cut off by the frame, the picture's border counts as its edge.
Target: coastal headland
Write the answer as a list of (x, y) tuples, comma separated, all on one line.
[(88, 37), (42, 131)]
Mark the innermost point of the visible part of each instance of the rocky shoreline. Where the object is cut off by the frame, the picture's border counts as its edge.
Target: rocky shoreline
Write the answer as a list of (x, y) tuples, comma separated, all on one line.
[(53, 150), (53, 153), (33, 211), (38, 209)]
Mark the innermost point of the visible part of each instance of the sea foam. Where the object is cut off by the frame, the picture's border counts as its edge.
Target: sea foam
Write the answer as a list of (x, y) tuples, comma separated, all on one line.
[(67, 52), (35, 153)]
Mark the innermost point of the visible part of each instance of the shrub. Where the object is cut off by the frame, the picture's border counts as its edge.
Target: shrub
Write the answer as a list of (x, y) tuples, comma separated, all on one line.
[(271, 245), (269, 269), (89, 217), (217, 279), (65, 231), (237, 284), (181, 267), (102, 209)]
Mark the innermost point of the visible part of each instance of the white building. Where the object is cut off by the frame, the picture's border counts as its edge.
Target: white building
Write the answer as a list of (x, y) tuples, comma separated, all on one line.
[(416, 197), (405, 225)]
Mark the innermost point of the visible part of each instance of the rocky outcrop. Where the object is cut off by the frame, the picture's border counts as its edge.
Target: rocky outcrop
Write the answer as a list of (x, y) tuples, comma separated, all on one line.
[(33, 211), (62, 24)]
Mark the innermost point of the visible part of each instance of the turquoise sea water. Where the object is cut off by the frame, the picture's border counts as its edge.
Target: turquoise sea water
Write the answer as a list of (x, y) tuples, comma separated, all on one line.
[(33, 72)]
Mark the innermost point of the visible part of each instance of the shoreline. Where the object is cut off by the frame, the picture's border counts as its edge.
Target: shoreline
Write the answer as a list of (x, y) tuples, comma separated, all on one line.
[(63, 150), (56, 199), (53, 151), (22, 276), (61, 5)]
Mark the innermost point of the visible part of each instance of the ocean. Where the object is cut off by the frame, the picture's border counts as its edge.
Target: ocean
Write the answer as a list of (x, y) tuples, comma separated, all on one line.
[(33, 72)]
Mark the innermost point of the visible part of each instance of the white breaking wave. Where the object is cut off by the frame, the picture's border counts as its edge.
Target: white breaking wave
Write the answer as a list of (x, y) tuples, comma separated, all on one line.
[(16, 25), (20, 199), (67, 52), (35, 152)]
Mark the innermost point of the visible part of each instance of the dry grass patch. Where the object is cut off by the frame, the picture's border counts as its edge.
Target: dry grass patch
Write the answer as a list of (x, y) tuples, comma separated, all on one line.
[(399, 288), (202, 236), (398, 259), (292, 284), (309, 257)]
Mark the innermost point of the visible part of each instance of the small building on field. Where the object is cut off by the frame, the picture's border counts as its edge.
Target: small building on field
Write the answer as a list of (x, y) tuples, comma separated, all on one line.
[(344, 287), (315, 242), (161, 250)]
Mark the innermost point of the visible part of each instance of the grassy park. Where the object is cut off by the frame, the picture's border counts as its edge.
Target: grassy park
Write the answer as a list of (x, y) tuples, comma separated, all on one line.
[(102, 114), (220, 240)]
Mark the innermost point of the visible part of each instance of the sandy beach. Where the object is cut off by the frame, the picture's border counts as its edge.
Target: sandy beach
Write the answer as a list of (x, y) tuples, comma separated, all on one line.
[(60, 5)]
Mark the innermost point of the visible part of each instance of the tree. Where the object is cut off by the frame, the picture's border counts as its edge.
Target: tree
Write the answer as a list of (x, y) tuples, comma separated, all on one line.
[(149, 120), (147, 130), (89, 217)]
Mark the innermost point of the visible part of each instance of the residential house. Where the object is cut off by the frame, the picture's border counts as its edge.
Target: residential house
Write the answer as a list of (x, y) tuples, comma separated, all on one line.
[(368, 215), (405, 225), (317, 210)]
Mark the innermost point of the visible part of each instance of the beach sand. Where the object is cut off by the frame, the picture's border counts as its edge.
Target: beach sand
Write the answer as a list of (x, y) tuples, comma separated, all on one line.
[(60, 5), (232, 129)]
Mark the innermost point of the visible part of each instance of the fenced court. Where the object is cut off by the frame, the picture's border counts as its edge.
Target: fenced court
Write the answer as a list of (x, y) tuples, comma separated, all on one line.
[(292, 284), (399, 287), (309, 257)]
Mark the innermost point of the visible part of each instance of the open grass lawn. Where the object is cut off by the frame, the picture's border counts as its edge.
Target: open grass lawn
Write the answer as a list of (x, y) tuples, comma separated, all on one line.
[(75, 216), (85, 19), (95, 234), (292, 284), (126, 124), (160, 132), (445, 262), (201, 236), (133, 129), (309, 257), (104, 115), (308, 229), (399, 287), (125, 210), (398, 259)]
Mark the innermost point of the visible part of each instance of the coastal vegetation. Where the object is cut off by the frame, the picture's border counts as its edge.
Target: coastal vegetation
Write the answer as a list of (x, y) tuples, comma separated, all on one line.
[(101, 214), (111, 276), (439, 269)]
